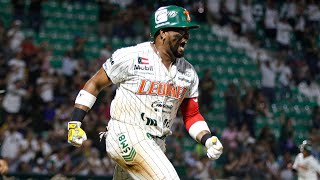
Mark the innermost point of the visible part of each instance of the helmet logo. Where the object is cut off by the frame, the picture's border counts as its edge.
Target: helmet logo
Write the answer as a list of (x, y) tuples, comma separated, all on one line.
[(172, 14), (161, 16), (187, 14)]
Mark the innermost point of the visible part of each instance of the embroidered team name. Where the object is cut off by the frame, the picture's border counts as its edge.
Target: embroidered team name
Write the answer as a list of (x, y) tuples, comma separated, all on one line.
[(147, 87)]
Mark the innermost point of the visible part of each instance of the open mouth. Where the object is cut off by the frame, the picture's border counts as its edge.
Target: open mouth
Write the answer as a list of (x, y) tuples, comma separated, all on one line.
[(183, 44)]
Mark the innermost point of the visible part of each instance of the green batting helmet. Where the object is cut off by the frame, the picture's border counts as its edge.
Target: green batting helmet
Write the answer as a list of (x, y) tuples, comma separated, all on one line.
[(306, 145), (170, 16)]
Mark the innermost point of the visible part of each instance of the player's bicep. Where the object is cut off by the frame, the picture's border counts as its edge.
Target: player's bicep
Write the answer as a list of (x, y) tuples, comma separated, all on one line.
[(97, 82)]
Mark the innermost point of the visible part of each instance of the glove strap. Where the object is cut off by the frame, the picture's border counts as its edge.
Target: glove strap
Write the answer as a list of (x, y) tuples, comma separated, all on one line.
[(78, 114), (205, 138)]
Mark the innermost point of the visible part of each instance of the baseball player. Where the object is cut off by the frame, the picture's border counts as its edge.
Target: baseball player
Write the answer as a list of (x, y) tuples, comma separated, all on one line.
[(306, 164), (153, 82)]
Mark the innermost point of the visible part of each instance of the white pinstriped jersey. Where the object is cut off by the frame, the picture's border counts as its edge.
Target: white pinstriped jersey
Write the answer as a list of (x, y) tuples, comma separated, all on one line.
[(149, 95)]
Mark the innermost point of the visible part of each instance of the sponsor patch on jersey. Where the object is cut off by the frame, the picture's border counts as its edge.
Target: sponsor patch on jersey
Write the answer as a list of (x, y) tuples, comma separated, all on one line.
[(159, 106), (128, 153), (142, 60), (138, 67), (149, 121), (181, 78)]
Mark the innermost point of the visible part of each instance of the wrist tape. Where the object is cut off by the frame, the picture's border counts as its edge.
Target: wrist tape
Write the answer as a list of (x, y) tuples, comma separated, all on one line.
[(78, 114), (85, 98), (205, 138)]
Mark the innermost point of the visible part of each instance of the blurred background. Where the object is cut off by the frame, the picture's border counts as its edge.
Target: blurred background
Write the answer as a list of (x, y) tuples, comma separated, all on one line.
[(258, 63)]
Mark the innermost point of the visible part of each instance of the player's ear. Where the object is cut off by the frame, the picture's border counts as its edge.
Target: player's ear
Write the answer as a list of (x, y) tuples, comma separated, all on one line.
[(162, 35)]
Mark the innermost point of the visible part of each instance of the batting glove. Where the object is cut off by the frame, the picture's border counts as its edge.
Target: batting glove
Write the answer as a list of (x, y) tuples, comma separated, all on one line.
[(214, 148), (76, 135)]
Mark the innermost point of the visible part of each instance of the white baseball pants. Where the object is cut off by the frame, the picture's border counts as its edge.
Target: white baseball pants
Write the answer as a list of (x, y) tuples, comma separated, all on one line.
[(137, 154)]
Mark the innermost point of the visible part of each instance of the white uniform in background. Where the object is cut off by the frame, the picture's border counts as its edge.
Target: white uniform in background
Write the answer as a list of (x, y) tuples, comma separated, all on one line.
[(308, 168)]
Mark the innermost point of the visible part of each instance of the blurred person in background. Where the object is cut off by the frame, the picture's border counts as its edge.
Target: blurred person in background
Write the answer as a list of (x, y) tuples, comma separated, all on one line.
[(69, 66), (78, 47), (2, 111), (316, 117), (232, 104), (229, 136), (3, 163), (204, 169), (106, 16), (207, 87), (3, 34), (213, 11), (306, 165), (300, 24), (271, 19), (286, 139), (18, 9), (17, 69), (267, 140), (289, 11), (285, 79), (12, 145), (285, 164), (248, 110), (248, 24), (28, 49), (283, 34), (15, 36), (244, 137), (313, 13), (268, 71), (14, 96), (45, 83), (35, 17)]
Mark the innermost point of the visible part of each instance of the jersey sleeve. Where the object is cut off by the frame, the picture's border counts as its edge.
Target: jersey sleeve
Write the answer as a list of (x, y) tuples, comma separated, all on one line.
[(296, 162), (117, 66), (194, 92)]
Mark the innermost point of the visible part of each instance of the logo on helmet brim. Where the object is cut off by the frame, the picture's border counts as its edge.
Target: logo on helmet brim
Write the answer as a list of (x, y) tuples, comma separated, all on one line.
[(187, 14)]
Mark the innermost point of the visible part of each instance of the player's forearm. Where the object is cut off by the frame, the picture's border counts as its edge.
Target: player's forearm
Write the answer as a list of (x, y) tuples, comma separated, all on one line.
[(194, 121), (87, 96)]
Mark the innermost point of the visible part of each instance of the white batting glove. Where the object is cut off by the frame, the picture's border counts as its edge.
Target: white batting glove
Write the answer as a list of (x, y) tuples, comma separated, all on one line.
[(76, 135), (214, 148)]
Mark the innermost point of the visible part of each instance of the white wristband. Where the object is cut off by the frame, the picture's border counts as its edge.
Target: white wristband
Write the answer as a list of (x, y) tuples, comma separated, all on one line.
[(197, 127), (85, 98)]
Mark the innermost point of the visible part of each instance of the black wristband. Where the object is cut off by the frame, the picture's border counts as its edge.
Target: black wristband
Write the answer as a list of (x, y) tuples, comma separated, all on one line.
[(78, 114), (204, 138)]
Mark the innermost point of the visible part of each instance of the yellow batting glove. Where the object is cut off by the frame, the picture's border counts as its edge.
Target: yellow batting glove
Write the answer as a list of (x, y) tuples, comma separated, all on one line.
[(76, 135)]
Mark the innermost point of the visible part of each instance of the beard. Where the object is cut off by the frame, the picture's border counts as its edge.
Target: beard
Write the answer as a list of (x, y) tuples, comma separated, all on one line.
[(175, 46)]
